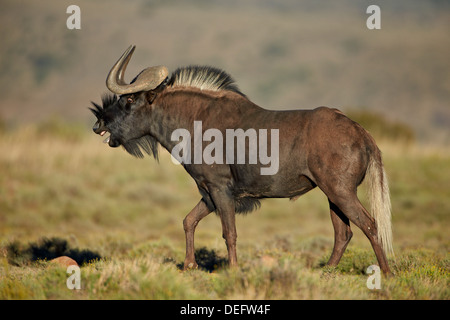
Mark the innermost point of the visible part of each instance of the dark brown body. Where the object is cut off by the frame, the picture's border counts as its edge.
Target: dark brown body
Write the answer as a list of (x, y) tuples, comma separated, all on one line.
[(309, 145), (319, 147)]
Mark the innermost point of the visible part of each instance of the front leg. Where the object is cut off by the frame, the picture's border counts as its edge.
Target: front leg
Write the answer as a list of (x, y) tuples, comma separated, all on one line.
[(189, 223)]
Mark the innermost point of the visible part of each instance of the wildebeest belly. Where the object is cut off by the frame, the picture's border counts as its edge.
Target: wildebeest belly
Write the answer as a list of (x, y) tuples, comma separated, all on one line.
[(291, 186)]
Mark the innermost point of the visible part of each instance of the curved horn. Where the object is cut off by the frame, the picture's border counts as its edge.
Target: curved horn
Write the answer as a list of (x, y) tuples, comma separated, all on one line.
[(147, 80)]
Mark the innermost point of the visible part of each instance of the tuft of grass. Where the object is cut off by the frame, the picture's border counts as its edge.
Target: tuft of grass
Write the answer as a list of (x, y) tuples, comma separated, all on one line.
[(354, 261)]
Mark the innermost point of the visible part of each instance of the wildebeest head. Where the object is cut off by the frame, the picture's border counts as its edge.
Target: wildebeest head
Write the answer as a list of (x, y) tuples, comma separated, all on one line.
[(119, 115)]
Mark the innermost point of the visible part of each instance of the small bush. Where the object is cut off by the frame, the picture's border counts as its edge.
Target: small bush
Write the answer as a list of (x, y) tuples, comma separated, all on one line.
[(208, 259), (57, 128), (47, 249)]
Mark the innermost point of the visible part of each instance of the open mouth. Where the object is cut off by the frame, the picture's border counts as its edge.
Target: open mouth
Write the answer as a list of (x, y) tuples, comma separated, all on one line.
[(107, 139)]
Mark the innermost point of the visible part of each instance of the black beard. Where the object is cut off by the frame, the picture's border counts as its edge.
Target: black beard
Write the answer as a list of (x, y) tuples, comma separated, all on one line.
[(146, 143)]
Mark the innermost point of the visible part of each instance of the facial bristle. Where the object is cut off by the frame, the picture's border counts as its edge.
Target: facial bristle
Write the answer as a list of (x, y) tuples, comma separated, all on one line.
[(108, 99), (97, 110)]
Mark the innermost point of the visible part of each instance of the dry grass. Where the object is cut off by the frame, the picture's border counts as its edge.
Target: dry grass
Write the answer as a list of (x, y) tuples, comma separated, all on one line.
[(71, 186)]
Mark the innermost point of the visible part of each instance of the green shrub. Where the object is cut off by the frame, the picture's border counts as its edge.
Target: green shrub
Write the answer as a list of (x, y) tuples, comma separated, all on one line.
[(382, 128)]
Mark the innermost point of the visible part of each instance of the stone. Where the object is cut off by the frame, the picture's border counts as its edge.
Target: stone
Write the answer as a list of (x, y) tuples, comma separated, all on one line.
[(64, 261)]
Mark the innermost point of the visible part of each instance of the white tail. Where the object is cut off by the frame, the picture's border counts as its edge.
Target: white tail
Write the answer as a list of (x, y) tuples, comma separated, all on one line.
[(380, 203)]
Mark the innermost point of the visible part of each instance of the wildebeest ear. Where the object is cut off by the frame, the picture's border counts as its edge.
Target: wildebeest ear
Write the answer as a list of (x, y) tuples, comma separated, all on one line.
[(151, 96)]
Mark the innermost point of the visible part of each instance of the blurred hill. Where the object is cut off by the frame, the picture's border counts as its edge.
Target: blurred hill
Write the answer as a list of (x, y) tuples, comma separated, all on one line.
[(283, 54)]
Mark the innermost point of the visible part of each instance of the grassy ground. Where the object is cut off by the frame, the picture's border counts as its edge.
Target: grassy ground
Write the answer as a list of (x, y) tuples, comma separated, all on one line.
[(58, 182)]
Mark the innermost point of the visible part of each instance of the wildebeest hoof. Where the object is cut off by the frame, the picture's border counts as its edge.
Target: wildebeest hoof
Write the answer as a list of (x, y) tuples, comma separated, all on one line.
[(190, 266)]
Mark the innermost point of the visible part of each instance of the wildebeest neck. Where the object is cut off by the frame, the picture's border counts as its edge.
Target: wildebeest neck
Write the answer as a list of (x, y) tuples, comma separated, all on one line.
[(177, 108)]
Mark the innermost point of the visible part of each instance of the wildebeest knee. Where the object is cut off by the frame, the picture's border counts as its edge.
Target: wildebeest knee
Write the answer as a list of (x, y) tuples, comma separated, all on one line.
[(189, 225), (348, 235)]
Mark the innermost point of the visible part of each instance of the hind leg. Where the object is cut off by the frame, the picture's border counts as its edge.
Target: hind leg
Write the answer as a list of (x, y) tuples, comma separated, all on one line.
[(342, 234), (226, 210), (350, 205)]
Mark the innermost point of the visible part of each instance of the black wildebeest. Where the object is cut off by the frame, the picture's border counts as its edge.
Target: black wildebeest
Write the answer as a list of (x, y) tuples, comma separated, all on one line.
[(317, 148)]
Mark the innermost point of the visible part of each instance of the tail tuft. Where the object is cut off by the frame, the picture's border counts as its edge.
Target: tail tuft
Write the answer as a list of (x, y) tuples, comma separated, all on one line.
[(380, 203)]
